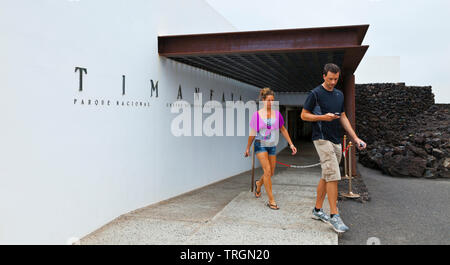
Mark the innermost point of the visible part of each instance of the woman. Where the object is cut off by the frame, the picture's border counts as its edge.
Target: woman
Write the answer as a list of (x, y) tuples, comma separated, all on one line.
[(262, 126)]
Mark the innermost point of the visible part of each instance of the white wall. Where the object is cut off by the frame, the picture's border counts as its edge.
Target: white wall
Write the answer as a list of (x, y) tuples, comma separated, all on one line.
[(66, 169)]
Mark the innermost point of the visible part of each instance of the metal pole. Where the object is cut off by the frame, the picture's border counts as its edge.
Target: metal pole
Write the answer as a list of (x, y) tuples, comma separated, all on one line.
[(350, 194), (350, 169), (345, 158), (253, 168)]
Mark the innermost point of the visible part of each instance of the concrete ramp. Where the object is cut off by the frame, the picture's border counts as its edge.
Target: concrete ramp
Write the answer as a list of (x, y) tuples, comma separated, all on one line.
[(228, 213), (246, 220)]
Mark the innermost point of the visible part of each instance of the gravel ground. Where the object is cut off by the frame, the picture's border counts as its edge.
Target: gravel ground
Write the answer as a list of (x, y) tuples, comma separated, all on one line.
[(358, 187)]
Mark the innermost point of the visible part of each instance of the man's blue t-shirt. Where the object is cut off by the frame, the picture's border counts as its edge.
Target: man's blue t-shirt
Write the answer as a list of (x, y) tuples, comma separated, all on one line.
[(321, 101)]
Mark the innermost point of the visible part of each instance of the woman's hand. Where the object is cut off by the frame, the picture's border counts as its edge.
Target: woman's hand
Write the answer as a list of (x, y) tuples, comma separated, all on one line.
[(247, 152), (294, 150)]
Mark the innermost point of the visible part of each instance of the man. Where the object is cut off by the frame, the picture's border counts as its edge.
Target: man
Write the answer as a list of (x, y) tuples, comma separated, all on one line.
[(325, 108)]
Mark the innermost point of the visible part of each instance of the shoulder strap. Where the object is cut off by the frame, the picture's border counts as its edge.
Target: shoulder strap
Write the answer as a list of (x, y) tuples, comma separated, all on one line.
[(257, 121)]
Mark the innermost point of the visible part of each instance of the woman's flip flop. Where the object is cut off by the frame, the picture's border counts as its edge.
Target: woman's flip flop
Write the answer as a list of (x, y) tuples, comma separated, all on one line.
[(273, 206), (257, 194)]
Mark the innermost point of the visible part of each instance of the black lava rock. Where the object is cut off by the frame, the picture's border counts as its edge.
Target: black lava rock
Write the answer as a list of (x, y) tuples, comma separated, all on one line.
[(407, 134)]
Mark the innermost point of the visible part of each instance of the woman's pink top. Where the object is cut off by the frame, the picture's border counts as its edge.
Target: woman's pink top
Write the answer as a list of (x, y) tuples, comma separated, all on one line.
[(264, 127)]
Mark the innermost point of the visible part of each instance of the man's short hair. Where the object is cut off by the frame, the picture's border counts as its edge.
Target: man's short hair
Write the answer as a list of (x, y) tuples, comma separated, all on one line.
[(331, 67)]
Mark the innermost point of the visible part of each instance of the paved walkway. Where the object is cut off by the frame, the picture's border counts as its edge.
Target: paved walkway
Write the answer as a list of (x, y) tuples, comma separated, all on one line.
[(228, 213)]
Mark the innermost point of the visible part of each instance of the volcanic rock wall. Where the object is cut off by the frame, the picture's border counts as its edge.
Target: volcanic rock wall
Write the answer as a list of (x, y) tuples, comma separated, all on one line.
[(407, 134)]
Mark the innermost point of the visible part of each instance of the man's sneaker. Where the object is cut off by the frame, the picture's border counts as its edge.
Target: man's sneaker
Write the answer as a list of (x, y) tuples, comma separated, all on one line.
[(320, 215), (337, 224)]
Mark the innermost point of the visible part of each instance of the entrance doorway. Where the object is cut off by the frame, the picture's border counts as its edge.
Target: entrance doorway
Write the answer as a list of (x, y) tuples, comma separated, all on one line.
[(297, 128)]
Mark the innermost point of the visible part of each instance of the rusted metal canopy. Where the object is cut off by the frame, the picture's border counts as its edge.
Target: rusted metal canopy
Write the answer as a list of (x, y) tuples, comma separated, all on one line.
[(288, 60)]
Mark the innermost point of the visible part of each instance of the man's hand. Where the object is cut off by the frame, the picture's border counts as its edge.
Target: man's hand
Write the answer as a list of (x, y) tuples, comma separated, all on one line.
[(360, 144), (330, 117)]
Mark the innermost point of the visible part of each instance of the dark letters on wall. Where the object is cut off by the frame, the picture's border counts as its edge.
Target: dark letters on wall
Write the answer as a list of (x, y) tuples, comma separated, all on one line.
[(179, 96), (153, 88), (123, 85), (81, 76)]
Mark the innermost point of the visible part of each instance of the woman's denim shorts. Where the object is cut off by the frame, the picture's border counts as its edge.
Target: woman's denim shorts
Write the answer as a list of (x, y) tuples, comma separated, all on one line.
[(271, 150)]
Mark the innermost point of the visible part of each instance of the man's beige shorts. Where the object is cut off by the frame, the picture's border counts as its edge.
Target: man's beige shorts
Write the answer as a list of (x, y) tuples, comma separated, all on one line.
[(330, 156)]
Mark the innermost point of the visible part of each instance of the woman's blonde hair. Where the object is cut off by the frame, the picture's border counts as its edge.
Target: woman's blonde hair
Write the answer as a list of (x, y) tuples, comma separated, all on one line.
[(265, 92)]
